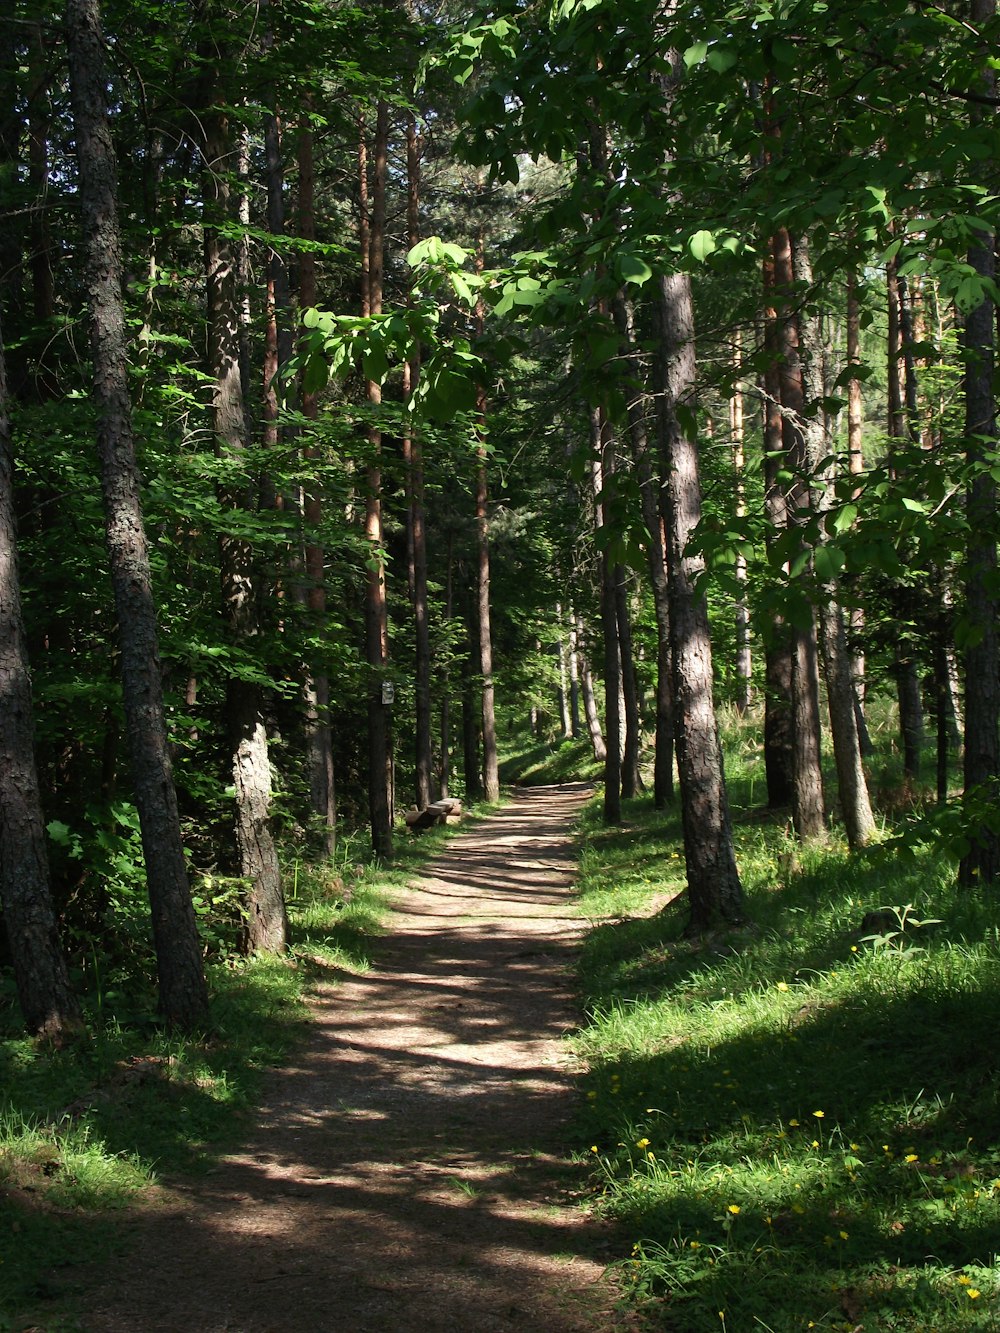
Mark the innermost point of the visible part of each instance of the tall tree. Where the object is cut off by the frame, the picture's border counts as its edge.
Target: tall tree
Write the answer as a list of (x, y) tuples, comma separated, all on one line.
[(183, 993)]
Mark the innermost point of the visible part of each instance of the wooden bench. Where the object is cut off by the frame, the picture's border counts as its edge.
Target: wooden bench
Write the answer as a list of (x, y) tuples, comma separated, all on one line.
[(447, 811)]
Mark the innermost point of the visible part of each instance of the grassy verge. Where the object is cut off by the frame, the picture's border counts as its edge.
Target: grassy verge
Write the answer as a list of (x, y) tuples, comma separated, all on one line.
[(535, 764), (795, 1123), (85, 1131)]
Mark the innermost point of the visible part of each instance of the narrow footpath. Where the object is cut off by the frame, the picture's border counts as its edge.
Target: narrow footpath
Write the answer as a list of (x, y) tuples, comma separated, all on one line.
[(410, 1170)]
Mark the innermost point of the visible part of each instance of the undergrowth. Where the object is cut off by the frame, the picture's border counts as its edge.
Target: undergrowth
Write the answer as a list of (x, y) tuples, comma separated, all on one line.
[(795, 1123), (86, 1129)]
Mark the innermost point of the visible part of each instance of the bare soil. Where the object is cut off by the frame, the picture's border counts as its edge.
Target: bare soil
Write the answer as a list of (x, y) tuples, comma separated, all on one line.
[(411, 1170)]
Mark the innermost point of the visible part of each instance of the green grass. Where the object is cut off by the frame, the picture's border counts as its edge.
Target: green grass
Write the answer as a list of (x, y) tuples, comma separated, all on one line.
[(537, 763), (795, 1127), (84, 1130)]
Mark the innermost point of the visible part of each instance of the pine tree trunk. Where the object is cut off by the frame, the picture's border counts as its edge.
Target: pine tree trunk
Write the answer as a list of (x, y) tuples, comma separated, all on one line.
[(714, 890), (49, 1007), (183, 994), (266, 924)]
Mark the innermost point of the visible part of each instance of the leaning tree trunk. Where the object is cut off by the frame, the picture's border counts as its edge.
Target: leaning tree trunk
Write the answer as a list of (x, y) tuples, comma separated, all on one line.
[(714, 889), (981, 863), (265, 921), (183, 994), (49, 1006)]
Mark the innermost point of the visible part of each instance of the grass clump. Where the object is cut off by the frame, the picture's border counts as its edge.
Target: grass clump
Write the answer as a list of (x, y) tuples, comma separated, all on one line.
[(794, 1123)]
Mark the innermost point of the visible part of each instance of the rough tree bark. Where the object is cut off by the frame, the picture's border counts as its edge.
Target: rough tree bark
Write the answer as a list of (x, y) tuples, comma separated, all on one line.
[(714, 889), (183, 994)]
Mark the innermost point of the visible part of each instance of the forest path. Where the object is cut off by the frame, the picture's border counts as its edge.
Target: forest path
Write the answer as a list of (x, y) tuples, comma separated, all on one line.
[(410, 1170)]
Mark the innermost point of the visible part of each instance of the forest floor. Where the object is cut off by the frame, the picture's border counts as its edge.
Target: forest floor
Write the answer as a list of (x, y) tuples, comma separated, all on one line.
[(411, 1168)]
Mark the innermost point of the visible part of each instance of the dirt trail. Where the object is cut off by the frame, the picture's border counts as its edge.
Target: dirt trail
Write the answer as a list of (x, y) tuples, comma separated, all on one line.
[(410, 1170)]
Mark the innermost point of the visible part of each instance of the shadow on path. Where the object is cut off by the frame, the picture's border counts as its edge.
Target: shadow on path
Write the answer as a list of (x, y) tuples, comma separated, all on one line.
[(410, 1170)]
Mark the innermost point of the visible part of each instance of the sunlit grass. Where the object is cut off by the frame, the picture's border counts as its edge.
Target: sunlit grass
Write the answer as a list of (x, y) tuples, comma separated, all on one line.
[(794, 1123)]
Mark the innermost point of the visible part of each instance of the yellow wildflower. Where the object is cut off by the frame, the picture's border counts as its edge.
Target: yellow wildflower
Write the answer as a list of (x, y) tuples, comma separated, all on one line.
[(734, 1208)]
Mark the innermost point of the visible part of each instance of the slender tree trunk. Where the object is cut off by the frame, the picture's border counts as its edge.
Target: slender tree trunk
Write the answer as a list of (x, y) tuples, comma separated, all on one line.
[(573, 666), (807, 777), (631, 781), (587, 692), (445, 769), (856, 466), (183, 994), (714, 889), (413, 454), (491, 767), (905, 669), (742, 613), (778, 720), (266, 923), (49, 1006), (565, 718), (852, 785), (315, 684), (471, 719), (663, 767), (376, 611), (602, 454), (981, 863)]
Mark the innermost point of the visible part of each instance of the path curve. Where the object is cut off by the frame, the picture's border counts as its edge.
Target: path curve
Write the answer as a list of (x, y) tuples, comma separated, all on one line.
[(410, 1170)]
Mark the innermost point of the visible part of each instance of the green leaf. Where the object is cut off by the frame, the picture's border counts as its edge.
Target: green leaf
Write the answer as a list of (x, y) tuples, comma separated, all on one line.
[(722, 58), (633, 269), (695, 54), (701, 245)]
